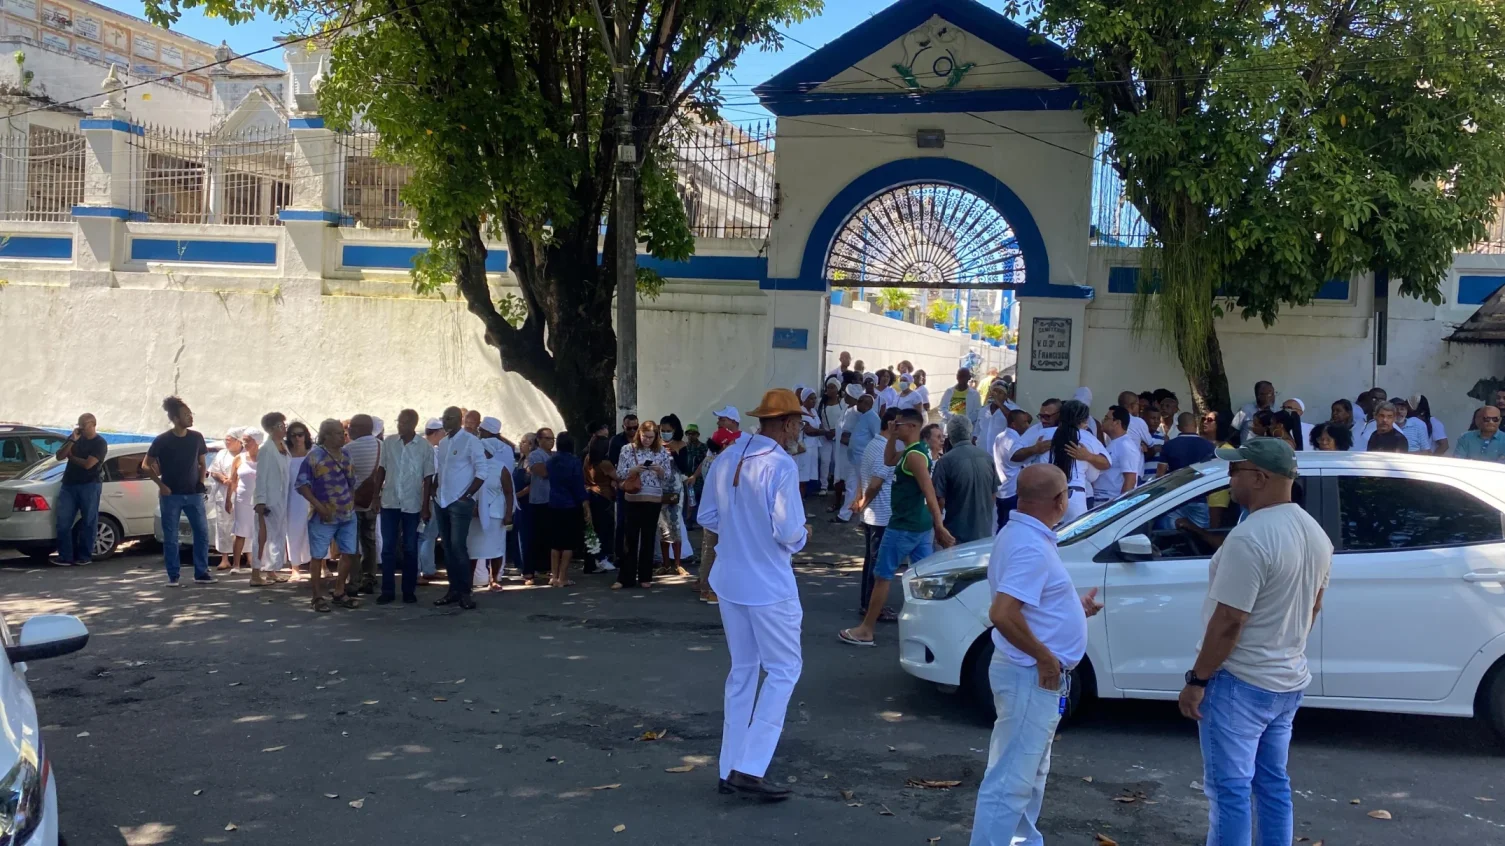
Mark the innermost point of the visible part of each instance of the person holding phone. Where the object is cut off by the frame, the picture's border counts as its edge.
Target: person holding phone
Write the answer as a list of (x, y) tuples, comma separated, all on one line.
[(643, 467), (84, 452)]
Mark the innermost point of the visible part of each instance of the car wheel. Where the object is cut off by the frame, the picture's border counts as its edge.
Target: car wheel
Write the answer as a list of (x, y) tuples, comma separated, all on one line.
[(1493, 707), (980, 688), (107, 536)]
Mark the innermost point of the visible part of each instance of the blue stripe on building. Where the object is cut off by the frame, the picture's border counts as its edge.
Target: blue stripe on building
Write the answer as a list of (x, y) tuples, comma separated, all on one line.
[(384, 257), (203, 252), (34, 247), (1474, 290)]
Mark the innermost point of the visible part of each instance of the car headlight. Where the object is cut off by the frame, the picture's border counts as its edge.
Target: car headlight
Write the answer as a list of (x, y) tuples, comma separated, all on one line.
[(946, 584), (20, 802)]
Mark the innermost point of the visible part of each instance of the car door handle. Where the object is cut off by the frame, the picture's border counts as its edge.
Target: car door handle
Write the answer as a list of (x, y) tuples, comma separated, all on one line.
[(1485, 576)]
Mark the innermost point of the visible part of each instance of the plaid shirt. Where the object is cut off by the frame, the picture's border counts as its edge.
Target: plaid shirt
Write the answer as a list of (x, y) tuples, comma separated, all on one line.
[(695, 452), (332, 481)]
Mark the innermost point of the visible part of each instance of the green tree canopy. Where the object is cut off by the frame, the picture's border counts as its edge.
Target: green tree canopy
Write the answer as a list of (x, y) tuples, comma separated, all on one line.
[(1271, 146), (505, 111)]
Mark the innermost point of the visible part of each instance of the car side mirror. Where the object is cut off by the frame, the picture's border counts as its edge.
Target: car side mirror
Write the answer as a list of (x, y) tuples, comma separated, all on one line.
[(48, 636), (1135, 548)]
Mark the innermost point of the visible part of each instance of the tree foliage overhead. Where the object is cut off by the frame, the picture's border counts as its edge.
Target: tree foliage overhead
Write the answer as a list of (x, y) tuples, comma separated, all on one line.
[(505, 110), (1271, 146)]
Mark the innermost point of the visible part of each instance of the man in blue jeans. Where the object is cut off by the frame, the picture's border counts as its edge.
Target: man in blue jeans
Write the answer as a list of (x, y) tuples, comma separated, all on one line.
[(404, 484), (1039, 635), (462, 469), (175, 461), (914, 524), (79, 497), (1263, 596)]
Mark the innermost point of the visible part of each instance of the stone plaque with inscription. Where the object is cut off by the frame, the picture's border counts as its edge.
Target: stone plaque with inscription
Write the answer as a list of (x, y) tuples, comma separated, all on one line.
[(1050, 344)]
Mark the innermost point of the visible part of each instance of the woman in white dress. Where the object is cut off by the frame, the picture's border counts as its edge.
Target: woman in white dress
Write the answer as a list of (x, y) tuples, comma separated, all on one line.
[(299, 441), (240, 495), (808, 460), (488, 537), (830, 410), (220, 521), (1079, 454)]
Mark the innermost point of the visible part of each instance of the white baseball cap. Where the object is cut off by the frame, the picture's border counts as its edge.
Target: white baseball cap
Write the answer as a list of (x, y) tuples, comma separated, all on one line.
[(492, 425), (730, 413), (433, 424)]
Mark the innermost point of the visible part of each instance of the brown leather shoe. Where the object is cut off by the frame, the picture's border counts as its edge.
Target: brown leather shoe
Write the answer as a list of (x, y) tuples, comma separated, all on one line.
[(757, 787)]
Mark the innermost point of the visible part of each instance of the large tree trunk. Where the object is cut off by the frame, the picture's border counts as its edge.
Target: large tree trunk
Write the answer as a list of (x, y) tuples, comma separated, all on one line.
[(1209, 387)]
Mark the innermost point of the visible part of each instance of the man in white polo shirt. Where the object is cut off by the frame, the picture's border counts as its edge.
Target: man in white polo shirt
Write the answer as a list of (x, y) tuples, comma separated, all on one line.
[(1040, 634)]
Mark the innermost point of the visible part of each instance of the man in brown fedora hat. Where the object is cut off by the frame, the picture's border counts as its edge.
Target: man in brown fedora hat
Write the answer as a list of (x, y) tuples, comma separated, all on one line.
[(752, 503)]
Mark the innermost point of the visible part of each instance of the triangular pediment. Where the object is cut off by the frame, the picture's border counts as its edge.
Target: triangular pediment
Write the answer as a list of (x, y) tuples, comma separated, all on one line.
[(916, 48)]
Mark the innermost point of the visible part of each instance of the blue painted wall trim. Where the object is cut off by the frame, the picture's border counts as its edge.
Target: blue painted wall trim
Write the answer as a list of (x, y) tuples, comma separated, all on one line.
[(1125, 280), (314, 122), (930, 169), (401, 258), (785, 338), (111, 123), (35, 247), (102, 211), (894, 22), (330, 217), (1333, 289), (939, 102), (1474, 290), (729, 268), (203, 252)]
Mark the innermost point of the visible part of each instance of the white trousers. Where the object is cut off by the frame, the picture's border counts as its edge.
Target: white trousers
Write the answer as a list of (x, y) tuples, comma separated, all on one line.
[(851, 494), (827, 459), (765, 637), (841, 463), (271, 547)]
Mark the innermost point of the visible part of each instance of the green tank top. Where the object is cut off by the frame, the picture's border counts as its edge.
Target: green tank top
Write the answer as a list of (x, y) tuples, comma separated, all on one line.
[(910, 513)]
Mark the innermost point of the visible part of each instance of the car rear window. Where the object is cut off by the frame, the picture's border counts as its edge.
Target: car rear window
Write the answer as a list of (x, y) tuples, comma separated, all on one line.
[(46, 470)]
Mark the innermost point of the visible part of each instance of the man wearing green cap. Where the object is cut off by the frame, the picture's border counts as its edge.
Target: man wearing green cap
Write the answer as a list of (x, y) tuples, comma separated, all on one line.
[(1264, 592), (693, 453)]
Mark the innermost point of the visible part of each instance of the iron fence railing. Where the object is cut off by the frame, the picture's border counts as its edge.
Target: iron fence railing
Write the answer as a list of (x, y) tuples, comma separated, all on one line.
[(42, 174), (372, 187), (195, 177), (725, 175)]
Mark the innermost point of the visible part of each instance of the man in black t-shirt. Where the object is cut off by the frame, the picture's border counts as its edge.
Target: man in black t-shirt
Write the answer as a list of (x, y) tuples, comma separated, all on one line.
[(84, 451), (1386, 438), (175, 462)]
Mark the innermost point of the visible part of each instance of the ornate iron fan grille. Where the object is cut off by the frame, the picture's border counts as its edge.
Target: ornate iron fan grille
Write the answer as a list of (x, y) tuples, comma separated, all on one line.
[(926, 235)]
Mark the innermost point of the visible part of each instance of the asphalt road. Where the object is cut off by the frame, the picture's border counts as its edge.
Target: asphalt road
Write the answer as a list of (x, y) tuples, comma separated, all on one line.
[(196, 709)]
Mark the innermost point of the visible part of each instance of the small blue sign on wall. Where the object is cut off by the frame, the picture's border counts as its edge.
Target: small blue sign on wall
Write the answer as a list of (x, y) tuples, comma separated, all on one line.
[(790, 339)]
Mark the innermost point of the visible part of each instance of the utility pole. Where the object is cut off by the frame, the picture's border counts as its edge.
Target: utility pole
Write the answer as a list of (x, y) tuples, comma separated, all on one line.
[(625, 209)]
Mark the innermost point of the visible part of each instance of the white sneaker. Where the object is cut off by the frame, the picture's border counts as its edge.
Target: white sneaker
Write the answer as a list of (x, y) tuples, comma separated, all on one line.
[(63, 563), (607, 566)]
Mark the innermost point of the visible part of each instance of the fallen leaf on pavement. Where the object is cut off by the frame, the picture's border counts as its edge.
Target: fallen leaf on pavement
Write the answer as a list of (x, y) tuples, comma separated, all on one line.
[(1104, 840), (618, 828), (653, 735), (883, 811), (1087, 779), (1196, 785), (1126, 799), (459, 681), (370, 701), (334, 672), (235, 684), (848, 795), (854, 804), (331, 796), (440, 699), (1484, 799), (1380, 815), (930, 784), (1353, 801), (607, 786), (358, 803), (199, 792), (230, 826), (892, 749), (932, 840), (499, 746), (684, 769), (274, 749), (82, 734)]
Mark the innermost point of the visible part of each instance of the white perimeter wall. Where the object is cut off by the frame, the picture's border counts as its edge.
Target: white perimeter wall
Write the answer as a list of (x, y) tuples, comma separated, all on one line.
[(880, 342)]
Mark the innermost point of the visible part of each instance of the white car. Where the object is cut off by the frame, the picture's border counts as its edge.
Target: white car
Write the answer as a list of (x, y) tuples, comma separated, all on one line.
[(28, 788), (28, 519), (1413, 620)]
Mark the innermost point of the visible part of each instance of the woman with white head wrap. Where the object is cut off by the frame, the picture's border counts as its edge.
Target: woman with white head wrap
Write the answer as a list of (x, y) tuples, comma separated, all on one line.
[(829, 408), (220, 521), (844, 470), (241, 493), (808, 459)]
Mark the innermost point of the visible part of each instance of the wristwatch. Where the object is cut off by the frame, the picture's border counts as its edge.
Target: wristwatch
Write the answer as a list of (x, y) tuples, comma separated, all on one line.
[(1191, 679)]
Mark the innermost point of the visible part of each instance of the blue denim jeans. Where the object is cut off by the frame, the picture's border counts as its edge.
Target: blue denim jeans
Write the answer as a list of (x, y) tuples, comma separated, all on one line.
[(897, 545), (399, 538), (454, 527), (75, 542), (1008, 800), (426, 543), (1246, 739), (174, 507)]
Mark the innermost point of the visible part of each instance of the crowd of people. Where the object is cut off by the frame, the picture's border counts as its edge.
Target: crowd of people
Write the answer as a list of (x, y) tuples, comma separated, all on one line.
[(368, 513)]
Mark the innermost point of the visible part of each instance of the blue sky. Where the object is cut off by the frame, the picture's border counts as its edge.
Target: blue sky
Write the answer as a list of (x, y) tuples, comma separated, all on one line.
[(755, 67)]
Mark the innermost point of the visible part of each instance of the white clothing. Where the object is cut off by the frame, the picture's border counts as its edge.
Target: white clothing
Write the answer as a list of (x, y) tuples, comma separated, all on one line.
[(297, 516), (1361, 436), (759, 522), (1127, 461), (653, 478), (1139, 431), (488, 537), (1439, 433), (924, 392), (273, 484), (221, 522), (974, 404), (1031, 436), (461, 461), (406, 466), (880, 509), (765, 637), (911, 400), (1004, 446), (1152, 465), (887, 398), (245, 491), (1306, 435), (1272, 566), (1026, 565), (809, 460), (989, 424), (852, 480)]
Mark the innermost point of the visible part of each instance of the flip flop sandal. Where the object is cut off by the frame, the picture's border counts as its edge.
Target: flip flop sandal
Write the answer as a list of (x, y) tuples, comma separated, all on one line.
[(322, 604), (848, 639), (345, 601)]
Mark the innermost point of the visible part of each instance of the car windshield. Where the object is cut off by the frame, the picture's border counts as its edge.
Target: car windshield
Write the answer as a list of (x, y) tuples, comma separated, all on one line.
[(1087, 525), (46, 470)]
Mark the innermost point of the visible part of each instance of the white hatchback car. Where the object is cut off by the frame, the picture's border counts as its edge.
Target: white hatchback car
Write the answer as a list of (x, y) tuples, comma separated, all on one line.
[(28, 521), (1413, 620), (28, 789)]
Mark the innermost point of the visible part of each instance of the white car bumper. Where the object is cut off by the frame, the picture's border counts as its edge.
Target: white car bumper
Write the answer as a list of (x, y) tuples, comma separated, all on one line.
[(47, 833), (934, 636), (26, 526)]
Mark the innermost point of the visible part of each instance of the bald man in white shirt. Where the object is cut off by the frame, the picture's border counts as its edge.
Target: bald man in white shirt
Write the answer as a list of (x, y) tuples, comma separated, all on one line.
[(752, 502)]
